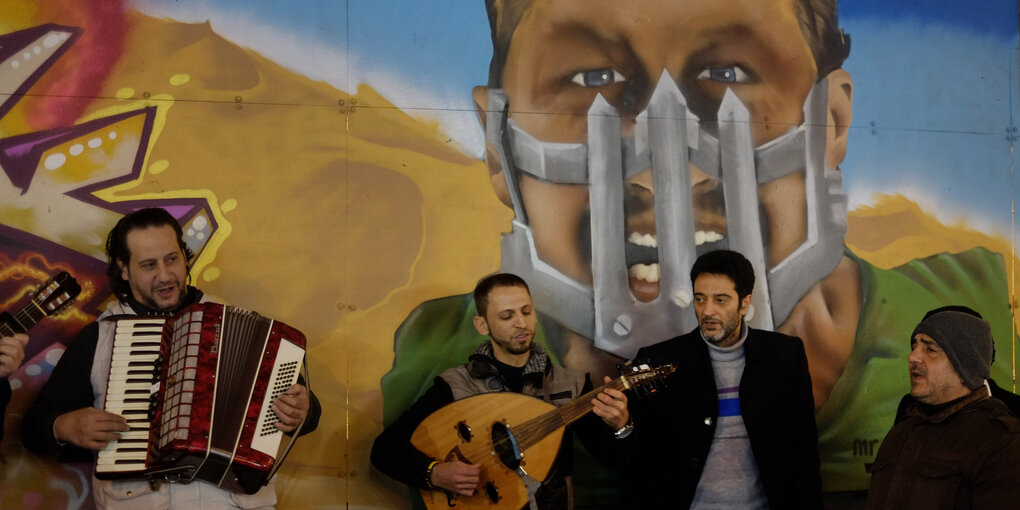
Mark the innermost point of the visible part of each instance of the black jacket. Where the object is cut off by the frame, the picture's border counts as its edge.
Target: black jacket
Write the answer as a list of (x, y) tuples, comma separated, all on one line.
[(674, 429)]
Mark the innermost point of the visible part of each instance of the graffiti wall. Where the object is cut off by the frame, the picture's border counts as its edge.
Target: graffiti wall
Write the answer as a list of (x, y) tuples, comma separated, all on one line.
[(353, 168)]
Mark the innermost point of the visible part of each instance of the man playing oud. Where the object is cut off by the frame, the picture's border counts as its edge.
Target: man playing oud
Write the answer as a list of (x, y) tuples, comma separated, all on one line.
[(507, 361)]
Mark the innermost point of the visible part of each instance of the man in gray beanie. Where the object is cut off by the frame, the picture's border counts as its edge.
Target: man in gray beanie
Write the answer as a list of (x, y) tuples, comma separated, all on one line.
[(1007, 397), (957, 447), (967, 343)]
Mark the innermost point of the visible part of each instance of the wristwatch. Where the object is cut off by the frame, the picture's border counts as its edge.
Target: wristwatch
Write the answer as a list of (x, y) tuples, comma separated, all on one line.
[(625, 430)]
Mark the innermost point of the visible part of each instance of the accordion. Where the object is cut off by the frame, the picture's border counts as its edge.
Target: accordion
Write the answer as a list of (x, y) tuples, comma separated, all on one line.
[(196, 389)]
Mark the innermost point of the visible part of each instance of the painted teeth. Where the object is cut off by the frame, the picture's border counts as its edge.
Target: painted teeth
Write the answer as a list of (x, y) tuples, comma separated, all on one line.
[(700, 237), (643, 240), (706, 236), (650, 272), (646, 272)]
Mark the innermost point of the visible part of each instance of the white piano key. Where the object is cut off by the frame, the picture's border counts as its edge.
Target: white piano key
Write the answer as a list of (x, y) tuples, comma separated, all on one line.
[(119, 379), (139, 360), (134, 434), (130, 410), (125, 369), (120, 468), (126, 386), (135, 350), (136, 335), (137, 457)]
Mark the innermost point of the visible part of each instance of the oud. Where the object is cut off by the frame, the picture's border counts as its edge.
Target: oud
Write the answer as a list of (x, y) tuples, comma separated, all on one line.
[(509, 435)]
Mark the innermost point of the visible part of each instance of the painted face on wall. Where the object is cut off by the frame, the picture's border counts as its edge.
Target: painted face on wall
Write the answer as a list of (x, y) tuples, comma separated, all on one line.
[(720, 311), (509, 322), (157, 270), (564, 53), (933, 379)]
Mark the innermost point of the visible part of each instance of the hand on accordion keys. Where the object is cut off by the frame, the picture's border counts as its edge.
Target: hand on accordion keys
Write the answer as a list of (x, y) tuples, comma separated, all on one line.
[(89, 428), (291, 407)]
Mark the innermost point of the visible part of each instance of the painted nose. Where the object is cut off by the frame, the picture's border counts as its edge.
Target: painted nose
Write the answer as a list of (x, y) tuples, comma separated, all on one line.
[(639, 203)]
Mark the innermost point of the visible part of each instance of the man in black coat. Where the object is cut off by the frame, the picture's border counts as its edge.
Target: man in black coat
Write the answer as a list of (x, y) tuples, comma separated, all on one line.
[(735, 427)]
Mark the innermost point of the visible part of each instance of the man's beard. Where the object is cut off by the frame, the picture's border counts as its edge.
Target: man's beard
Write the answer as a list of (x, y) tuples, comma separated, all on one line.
[(726, 328), (512, 347), (172, 307), (150, 301)]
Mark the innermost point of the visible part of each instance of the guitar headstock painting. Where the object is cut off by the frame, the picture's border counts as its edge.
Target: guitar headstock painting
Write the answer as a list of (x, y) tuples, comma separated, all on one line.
[(51, 298)]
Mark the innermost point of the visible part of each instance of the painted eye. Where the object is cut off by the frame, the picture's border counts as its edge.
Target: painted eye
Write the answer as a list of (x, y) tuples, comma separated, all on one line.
[(598, 77), (726, 74)]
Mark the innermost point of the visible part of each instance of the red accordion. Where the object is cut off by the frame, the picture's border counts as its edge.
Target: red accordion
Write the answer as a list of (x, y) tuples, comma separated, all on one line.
[(197, 389)]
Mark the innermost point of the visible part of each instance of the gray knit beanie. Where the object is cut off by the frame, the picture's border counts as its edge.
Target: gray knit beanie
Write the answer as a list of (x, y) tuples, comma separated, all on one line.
[(967, 341)]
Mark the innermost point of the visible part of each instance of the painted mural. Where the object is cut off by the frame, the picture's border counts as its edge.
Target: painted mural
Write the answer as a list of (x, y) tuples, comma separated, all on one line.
[(353, 168)]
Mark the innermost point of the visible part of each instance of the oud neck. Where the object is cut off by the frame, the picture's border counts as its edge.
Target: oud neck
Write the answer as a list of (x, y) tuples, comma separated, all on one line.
[(534, 430), (577, 408)]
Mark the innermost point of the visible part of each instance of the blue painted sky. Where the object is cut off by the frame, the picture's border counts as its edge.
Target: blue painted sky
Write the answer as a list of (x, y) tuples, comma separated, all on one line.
[(997, 17), (935, 81)]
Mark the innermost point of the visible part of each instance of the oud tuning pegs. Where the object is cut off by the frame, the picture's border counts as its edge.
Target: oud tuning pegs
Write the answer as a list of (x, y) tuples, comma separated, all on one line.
[(643, 377)]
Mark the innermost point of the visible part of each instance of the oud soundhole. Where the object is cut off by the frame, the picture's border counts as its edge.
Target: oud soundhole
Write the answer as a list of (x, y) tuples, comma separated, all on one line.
[(492, 492), (464, 431), (505, 446)]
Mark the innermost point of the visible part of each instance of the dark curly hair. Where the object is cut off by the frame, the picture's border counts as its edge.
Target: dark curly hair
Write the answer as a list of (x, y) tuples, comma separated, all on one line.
[(117, 248)]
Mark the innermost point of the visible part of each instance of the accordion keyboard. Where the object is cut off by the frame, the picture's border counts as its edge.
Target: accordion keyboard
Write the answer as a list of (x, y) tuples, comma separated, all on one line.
[(131, 386)]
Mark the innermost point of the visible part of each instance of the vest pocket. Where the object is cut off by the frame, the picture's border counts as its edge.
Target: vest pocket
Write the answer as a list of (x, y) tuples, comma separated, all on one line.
[(264, 498), (129, 495)]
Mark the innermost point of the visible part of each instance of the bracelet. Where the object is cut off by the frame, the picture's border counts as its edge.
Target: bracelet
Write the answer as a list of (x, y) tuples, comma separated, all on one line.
[(428, 475), (55, 438)]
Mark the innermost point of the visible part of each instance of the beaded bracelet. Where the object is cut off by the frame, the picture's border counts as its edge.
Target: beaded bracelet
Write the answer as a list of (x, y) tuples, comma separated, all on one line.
[(428, 475)]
